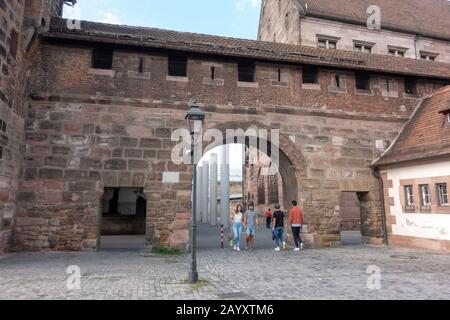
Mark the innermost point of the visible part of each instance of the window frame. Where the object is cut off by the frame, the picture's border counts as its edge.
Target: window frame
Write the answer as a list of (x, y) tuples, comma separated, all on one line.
[(428, 56), (327, 40), (443, 199), (363, 45), (425, 197), (397, 51), (410, 200)]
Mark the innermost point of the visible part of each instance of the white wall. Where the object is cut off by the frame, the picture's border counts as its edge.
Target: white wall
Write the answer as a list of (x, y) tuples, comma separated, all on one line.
[(434, 226), (311, 27)]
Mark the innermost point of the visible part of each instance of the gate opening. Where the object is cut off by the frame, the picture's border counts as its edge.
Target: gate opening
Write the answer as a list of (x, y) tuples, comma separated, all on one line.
[(350, 213), (123, 218)]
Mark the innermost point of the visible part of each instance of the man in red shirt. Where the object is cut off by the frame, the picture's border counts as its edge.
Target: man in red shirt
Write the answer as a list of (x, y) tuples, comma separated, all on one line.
[(268, 218), (296, 222)]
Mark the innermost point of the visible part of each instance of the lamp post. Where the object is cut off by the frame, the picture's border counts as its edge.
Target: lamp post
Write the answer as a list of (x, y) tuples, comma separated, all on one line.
[(194, 118)]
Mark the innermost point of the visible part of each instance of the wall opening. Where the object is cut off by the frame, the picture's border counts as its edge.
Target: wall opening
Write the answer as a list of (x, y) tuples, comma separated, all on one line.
[(350, 214), (123, 218)]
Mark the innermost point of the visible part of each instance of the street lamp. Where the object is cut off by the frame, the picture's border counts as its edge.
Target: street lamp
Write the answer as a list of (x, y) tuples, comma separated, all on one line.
[(194, 118)]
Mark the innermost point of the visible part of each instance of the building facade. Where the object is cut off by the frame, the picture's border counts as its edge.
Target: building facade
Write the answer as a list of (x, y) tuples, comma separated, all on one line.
[(416, 177), (100, 105), (408, 28)]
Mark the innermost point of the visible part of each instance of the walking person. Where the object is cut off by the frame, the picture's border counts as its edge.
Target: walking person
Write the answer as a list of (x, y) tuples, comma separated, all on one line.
[(268, 218), (278, 227), (251, 223), (296, 222), (238, 218)]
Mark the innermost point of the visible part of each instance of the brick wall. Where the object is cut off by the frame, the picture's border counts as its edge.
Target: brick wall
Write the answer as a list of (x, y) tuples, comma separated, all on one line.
[(89, 129)]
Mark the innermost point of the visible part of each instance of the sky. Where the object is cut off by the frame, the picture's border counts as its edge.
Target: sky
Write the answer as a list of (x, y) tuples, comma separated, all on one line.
[(232, 18)]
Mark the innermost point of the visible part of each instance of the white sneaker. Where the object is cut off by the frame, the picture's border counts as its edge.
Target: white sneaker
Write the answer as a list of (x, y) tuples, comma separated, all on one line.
[(234, 248), (297, 249), (238, 249), (277, 249), (284, 245), (302, 246)]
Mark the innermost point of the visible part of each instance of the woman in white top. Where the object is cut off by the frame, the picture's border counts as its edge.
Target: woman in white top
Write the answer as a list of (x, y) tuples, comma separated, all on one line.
[(238, 217)]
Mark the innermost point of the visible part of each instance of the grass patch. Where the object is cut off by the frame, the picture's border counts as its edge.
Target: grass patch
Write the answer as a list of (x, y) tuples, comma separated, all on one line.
[(166, 251), (196, 286)]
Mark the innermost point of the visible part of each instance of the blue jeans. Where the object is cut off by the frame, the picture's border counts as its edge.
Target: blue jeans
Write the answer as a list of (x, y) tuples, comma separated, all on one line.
[(237, 230), (279, 236)]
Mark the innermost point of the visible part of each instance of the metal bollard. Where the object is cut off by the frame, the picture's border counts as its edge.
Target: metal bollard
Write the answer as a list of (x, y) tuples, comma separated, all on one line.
[(221, 237)]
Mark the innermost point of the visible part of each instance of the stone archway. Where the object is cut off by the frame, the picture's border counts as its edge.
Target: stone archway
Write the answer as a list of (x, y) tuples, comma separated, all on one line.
[(291, 165)]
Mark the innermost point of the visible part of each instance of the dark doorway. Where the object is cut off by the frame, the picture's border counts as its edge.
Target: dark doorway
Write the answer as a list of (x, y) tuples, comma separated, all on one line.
[(350, 213), (123, 218)]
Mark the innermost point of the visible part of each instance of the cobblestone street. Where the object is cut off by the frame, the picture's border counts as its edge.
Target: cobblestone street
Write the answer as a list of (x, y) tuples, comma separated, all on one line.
[(313, 274)]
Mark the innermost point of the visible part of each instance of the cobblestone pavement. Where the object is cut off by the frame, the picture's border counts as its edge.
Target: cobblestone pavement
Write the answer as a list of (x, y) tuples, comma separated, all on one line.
[(339, 273)]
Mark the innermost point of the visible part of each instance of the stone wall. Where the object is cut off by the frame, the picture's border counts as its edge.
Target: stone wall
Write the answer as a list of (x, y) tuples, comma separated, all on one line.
[(11, 131), (89, 129), (279, 22), (17, 49)]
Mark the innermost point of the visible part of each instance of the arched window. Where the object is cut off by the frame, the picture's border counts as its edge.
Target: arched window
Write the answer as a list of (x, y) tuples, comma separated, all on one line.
[(261, 190), (273, 189)]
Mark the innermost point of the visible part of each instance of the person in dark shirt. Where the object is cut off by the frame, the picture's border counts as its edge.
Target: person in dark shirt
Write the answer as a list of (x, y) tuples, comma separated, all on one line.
[(278, 227)]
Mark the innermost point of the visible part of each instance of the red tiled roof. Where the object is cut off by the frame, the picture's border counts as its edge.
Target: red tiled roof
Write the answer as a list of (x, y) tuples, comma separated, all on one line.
[(424, 17), (425, 135), (242, 48)]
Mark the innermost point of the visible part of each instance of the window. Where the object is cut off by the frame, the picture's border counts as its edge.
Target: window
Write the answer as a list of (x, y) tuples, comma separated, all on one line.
[(14, 46), (410, 86), (177, 66), (246, 71), (362, 81), (309, 74), (327, 43), (2, 126), (442, 194), (337, 79), (141, 65), (425, 195), (428, 56), (447, 118), (397, 52), (102, 58), (273, 189), (362, 47), (261, 190), (213, 72), (409, 194)]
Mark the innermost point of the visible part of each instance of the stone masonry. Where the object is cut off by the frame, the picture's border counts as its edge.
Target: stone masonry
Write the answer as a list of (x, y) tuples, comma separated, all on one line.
[(79, 130)]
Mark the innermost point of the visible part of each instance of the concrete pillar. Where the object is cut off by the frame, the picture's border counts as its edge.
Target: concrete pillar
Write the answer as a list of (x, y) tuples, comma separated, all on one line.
[(213, 190), (199, 194), (205, 192), (225, 187)]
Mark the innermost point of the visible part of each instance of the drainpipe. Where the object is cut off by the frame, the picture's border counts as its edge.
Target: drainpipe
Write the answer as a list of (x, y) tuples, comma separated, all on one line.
[(377, 174)]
